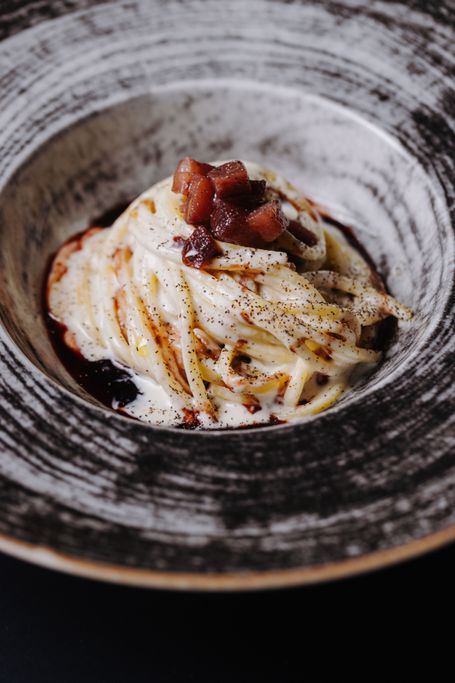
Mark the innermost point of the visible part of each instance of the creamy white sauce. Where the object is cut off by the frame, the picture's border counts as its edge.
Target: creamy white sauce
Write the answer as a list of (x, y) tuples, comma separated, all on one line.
[(86, 299)]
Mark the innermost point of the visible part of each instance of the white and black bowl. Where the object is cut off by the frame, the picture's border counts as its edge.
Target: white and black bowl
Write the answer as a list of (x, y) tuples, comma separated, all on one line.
[(355, 103)]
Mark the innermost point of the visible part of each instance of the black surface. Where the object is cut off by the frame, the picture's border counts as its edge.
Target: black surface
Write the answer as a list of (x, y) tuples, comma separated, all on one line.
[(55, 627)]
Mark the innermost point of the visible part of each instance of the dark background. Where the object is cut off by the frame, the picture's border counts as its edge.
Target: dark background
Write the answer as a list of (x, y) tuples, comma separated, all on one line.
[(391, 625)]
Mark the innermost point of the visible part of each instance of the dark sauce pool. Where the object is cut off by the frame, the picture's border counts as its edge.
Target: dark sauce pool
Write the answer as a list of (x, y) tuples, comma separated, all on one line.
[(109, 383), (112, 385)]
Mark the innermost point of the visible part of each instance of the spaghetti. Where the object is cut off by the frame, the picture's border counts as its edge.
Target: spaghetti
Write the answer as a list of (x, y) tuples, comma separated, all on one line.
[(251, 335)]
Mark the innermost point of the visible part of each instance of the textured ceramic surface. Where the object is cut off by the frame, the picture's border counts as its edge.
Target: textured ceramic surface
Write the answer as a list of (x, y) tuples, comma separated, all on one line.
[(354, 102)]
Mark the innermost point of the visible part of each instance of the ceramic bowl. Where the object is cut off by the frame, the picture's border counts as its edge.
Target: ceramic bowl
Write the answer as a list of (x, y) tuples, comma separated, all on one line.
[(354, 102)]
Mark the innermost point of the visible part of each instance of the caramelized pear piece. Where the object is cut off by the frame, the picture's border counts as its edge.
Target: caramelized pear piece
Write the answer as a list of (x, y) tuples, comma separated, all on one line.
[(199, 203), (228, 223), (253, 198), (186, 169), (230, 179), (268, 220)]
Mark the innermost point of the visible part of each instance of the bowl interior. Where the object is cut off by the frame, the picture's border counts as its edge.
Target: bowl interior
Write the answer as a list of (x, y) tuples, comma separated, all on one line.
[(335, 156), (354, 103)]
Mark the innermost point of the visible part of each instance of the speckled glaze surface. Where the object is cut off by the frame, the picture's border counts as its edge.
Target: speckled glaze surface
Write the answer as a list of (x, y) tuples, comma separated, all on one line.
[(353, 101)]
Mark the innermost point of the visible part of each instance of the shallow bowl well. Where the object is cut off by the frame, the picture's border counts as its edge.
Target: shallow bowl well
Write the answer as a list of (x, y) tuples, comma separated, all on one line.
[(99, 104)]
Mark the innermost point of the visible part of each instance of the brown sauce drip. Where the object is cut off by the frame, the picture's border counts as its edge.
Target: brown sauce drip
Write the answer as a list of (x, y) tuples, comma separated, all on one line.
[(112, 384)]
